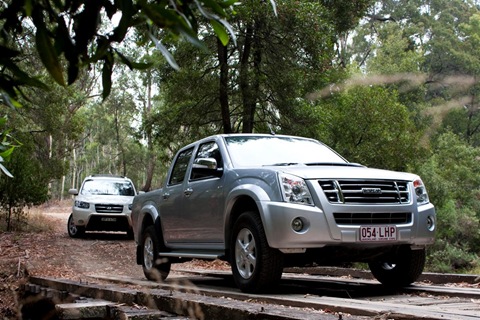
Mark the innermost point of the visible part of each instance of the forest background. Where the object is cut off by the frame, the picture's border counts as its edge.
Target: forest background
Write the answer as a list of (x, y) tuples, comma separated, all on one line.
[(389, 84)]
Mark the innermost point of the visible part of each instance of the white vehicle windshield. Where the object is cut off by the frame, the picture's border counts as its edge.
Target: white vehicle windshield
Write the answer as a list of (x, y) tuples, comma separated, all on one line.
[(105, 187), (247, 151)]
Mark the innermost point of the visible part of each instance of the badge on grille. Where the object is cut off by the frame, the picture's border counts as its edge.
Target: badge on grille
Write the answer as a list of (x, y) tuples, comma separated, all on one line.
[(371, 191)]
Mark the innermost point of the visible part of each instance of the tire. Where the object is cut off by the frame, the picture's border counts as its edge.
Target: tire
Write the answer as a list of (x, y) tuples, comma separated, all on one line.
[(154, 267), (255, 266), (402, 270), (74, 231)]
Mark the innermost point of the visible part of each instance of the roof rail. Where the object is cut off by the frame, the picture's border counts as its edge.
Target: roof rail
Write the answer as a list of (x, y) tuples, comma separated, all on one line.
[(107, 175)]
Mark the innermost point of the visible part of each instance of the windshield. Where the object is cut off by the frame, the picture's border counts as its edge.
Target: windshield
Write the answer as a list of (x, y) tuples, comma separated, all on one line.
[(246, 151), (105, 187)]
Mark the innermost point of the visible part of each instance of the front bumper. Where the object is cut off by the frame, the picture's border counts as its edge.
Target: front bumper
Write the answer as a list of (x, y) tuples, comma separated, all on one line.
[(320, 228), (94, 221)]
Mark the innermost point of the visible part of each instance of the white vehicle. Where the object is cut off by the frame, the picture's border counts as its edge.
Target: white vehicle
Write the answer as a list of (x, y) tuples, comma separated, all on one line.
[(104, 203)]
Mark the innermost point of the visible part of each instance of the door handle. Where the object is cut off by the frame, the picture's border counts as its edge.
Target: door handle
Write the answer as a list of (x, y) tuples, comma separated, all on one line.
[(166, 195), (188, 192)]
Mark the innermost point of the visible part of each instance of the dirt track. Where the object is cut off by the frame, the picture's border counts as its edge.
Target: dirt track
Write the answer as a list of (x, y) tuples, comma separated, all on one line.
[(55, 254)]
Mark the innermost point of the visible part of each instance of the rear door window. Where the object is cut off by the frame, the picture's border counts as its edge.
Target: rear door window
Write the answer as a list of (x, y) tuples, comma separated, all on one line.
[(180, 167)]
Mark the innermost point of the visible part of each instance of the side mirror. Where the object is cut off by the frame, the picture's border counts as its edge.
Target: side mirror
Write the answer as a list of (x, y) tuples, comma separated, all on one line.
[(73, 191), (205, 163), (205, 167)]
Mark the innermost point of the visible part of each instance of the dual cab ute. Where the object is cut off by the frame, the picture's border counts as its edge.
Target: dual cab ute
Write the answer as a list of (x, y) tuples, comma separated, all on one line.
[(265, 202)]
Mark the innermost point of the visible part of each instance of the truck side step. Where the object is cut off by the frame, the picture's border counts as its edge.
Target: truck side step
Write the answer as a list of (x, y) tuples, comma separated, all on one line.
[(192, 255)]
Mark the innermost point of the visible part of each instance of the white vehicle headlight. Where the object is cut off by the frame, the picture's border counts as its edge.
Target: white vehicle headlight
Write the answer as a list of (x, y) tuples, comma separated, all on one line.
[(82, 204), (295, 189), (420, 192)]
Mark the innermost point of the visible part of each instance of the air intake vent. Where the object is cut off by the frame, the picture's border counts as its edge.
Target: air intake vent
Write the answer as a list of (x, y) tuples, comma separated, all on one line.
[(366, 191), (376, 218)]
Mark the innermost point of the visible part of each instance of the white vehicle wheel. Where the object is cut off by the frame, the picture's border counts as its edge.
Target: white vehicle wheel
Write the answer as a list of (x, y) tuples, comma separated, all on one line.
[(74, 231)]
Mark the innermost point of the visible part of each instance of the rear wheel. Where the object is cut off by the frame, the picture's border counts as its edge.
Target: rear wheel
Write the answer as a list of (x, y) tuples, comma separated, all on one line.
[(256, 267), (74, 231), (154, 267), (400, 271)]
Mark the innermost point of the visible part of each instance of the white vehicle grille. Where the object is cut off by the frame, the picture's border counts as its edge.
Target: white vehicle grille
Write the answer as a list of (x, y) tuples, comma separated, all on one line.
[(108, 208)]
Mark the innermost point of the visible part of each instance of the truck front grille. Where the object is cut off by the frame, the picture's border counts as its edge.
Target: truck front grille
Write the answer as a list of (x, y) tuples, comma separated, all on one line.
[(369, 192), (347, 218), (108, 208)]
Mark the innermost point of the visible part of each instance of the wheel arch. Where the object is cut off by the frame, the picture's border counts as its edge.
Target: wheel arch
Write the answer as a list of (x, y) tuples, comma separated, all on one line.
[(150, 217), (242, 200)]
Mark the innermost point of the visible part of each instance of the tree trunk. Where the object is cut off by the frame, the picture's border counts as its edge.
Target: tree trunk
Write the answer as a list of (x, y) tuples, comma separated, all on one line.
[(247, 120), (151, 157), (223, 88)]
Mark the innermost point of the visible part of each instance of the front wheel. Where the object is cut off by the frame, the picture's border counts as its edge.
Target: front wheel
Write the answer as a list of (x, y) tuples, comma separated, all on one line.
[(400, 271), (154, 267), (255, 266), (74, 231)]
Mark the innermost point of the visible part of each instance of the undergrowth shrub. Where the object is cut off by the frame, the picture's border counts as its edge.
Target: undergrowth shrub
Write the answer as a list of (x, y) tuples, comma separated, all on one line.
[(444, 257)]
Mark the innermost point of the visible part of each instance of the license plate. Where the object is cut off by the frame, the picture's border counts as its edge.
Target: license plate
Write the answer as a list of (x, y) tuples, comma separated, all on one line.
[(109, 219), (378, 233)]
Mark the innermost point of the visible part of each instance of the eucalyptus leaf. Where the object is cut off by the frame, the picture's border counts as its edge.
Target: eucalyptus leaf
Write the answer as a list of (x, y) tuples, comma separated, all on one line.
[(168, 56), (5, 171), (48, 55), (220, 31)]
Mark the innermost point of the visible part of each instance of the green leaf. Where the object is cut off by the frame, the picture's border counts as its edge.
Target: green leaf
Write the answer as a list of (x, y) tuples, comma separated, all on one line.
[(72, 72), (128, 11), (8, 100), (23, 78), (220, 31), (7, 153), (228, 3), (214, 6), (8, 53), (47, 54), (133, 65), (162, 17), (165, 52), (274, 7), (5, 171), (103, 47), (28, 6)]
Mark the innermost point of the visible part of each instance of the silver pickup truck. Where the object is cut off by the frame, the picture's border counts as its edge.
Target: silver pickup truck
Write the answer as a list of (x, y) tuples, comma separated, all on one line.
[(265, 202)]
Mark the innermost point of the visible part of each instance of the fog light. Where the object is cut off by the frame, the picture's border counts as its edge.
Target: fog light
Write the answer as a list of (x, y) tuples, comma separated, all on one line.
[(430, 223), (297, 224)]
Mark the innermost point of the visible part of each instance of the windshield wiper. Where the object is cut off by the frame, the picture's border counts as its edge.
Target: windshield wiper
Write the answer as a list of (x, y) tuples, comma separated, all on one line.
[(282, 164)]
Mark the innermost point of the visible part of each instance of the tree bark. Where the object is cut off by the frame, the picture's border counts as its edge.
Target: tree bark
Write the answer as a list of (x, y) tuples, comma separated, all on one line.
[(223, 88), (151, 158), (247, 120)]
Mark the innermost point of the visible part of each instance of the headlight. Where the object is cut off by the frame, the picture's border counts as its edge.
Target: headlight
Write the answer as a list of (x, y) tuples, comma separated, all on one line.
[(420, 192), (295, 189), (82, 204)]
